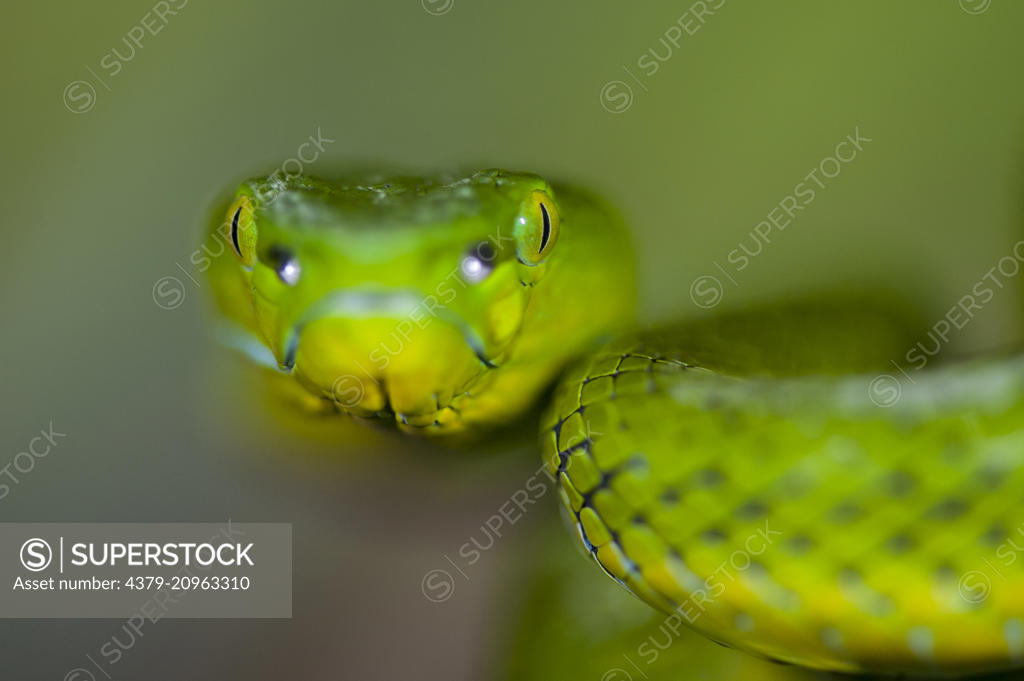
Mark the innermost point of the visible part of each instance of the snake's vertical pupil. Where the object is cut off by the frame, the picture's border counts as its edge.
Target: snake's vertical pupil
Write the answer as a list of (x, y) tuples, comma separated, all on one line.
[(547, 227), (234, 232)]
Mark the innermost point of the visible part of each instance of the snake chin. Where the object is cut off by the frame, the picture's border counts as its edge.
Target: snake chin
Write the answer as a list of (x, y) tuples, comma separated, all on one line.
[(420, 385), (445, 415)]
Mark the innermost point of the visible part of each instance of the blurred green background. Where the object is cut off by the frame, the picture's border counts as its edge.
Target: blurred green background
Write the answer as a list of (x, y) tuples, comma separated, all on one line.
[(107, 177)]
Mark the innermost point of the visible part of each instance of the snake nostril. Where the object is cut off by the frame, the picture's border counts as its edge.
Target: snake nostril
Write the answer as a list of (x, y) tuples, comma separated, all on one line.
[(285, 264)]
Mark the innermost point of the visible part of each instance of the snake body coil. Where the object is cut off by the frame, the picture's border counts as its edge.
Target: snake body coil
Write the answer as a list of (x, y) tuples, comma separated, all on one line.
[(790, 515)]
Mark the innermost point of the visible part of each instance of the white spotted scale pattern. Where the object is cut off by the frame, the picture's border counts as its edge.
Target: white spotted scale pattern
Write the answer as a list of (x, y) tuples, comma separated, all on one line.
[(776, 518)]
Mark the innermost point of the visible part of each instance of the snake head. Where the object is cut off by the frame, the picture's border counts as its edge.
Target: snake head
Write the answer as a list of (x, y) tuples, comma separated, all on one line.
[(391, 297)]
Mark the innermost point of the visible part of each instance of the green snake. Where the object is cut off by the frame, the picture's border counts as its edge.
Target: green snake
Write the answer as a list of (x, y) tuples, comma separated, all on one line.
[(738, 472)]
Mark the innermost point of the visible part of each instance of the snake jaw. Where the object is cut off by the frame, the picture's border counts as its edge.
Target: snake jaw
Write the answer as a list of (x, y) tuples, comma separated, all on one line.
[(366, 351)]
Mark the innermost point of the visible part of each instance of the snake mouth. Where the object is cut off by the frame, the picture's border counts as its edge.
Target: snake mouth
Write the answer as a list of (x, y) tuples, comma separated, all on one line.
[(351, 304), (377, 354)]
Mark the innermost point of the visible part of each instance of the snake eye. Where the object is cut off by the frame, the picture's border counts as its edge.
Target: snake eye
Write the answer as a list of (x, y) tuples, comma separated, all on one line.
[(478, 262), (285, 264), (538, 228), (241, 229)]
